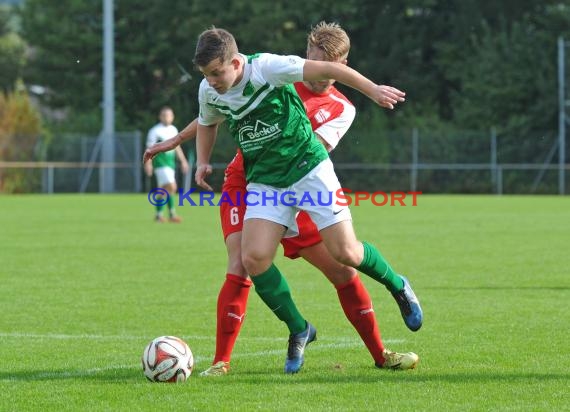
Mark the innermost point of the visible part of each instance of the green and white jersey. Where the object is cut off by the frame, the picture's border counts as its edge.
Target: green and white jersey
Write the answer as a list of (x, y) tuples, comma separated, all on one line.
[(157, 134), (267, 119)]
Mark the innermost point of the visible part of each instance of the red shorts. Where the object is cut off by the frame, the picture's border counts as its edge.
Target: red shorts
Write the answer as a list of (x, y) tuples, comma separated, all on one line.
[(308, 236), (232, 203)]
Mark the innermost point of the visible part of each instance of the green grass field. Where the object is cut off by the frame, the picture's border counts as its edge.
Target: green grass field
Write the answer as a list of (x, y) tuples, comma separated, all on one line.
[(87, 281)]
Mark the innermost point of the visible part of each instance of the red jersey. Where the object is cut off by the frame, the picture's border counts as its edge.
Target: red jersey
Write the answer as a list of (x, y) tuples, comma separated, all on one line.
[(330, 113)]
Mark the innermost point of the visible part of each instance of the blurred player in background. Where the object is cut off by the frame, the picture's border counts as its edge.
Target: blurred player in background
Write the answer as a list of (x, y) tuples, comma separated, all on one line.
[(331, 114), (164, 164)]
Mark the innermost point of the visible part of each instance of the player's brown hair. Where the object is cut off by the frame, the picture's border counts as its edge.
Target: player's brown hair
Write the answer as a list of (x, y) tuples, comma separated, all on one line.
[(214, 44), (331, 39)]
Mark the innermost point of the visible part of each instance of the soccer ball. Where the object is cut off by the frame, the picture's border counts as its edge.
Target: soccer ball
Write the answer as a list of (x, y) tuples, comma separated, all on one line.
[(167, 359)]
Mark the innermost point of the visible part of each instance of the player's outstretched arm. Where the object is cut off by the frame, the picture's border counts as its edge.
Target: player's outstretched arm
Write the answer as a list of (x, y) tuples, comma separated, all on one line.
[(385, 96), (205, 140), (188, 133)]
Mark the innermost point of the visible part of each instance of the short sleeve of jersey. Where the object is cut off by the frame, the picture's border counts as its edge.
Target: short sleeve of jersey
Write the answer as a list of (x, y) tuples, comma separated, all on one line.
[(333, 130), (151, 137), (160, 133), (281, 70), (208, 115)]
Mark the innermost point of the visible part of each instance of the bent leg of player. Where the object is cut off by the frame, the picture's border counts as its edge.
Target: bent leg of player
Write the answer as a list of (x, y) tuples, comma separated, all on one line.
[(357, 307), (335, 224), (260, 238), (342, 244), (352, 294)]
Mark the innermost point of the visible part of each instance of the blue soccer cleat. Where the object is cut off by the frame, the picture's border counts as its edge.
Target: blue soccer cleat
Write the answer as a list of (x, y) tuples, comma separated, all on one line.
[(409, 306), (296, 349)]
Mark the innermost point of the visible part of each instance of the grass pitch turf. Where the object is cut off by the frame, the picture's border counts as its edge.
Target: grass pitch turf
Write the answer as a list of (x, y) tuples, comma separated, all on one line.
[(88, 280)]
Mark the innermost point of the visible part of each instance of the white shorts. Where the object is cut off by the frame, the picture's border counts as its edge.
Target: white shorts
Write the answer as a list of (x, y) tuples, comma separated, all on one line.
[(317, 193), (164, 175)]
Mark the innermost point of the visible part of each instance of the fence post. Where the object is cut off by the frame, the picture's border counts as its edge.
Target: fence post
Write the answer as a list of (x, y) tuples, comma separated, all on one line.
[(414, 166), (50, 179), (493, 156), (44, 180), (137, 163), (562, 103), (499, 180)]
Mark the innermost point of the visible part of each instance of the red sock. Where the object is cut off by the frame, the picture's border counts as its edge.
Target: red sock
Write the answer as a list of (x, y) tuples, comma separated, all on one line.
[(232, 301), (357, 306)]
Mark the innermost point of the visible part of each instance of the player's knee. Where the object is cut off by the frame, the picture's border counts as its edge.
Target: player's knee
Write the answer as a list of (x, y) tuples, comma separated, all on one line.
[(341, 274), (347, 254), (255, 262), (170, 187)]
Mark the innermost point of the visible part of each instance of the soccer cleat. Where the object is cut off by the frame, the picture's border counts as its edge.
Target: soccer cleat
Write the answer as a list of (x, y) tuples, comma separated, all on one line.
[(398, 361), (159, 219), (175, 219), (296, 349), (218, 369), (409, 306)]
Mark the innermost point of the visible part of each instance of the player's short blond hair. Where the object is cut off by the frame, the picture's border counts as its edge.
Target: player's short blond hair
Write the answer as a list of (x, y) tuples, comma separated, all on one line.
[(331, 39)]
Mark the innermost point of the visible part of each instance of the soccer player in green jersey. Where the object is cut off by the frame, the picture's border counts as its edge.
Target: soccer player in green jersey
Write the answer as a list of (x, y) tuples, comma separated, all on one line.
[(281, 154), (331, 114), (164, 164)]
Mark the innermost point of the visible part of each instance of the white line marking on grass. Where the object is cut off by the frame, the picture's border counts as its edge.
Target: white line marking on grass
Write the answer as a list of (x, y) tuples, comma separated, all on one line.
[(198, 359), (189, 338), (60, 336)]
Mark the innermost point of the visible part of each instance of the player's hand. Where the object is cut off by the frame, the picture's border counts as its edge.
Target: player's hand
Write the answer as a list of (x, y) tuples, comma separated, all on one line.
[(203, 171), (387, 96), (152, 151), (148, 155)]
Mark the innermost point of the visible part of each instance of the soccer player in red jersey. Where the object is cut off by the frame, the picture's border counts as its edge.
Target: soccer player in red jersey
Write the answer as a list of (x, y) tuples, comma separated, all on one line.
[(330, 114)]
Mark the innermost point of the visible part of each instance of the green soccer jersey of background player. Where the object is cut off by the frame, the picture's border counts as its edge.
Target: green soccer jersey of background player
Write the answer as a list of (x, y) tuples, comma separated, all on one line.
[(159, 133)]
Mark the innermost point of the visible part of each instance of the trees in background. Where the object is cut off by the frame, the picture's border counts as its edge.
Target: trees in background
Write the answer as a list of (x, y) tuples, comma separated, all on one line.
[(20, 121), (465, 64), (20, 131), (12, 51), (471, 62)]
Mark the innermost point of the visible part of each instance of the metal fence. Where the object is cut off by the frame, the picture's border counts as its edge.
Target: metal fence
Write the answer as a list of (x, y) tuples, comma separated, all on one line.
[(457, 162), (73, 165), (454, 162)]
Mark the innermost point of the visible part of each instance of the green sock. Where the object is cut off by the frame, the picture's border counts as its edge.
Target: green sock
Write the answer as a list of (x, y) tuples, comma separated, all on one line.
[(171, 205), (374, 265), (159, 208), (273, 289)]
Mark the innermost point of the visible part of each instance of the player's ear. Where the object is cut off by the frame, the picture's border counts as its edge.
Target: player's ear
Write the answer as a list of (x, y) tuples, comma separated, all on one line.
[(236, 62), (344, 61)]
